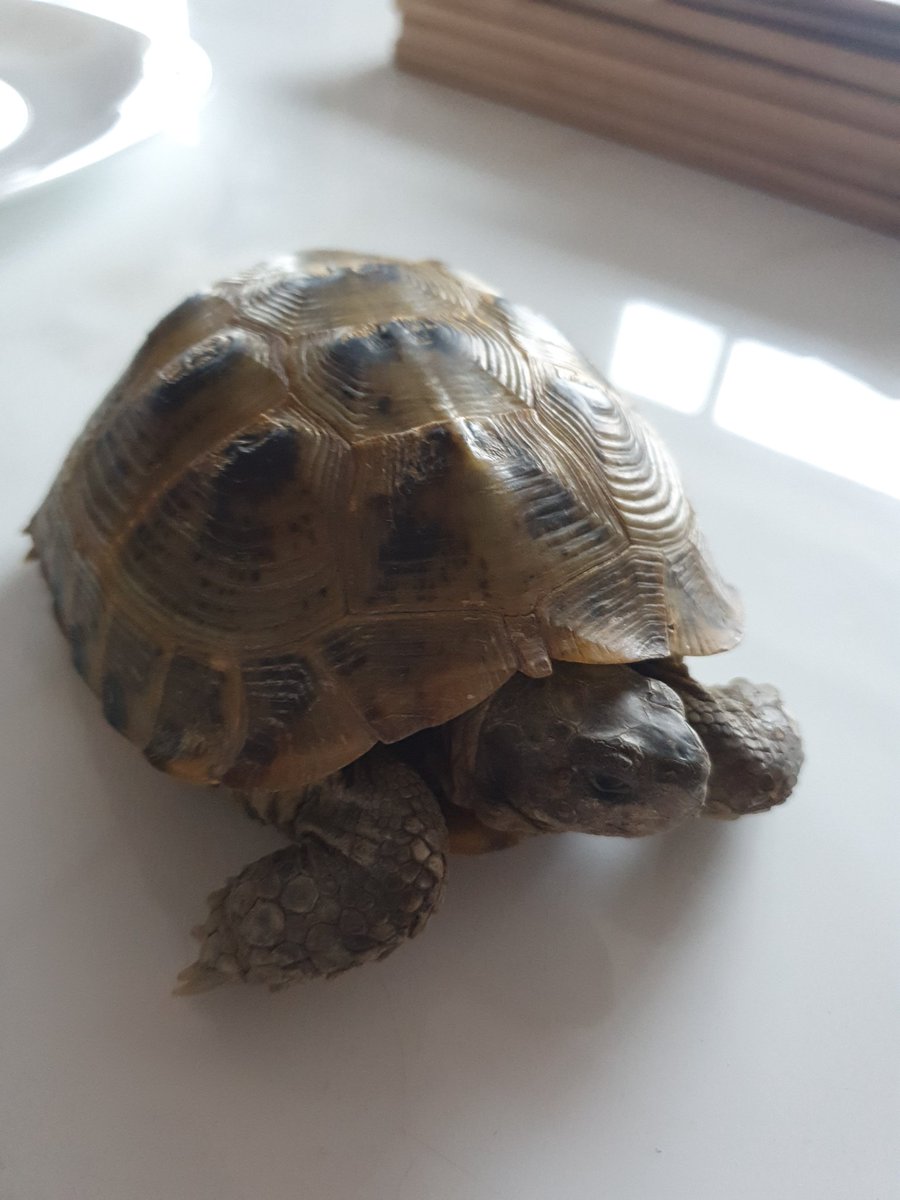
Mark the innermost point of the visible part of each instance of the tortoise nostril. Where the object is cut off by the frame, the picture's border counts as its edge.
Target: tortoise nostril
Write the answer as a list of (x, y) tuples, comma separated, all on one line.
[(683, 767), (674, 772)]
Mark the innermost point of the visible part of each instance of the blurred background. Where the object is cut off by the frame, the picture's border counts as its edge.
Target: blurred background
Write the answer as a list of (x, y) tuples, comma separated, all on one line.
[(708, 1014)]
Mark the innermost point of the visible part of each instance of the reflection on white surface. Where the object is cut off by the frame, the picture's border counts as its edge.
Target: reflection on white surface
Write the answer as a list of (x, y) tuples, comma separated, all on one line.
[(92, 85), (177, 75), (159, 19), (666, 356), (812, 411), (794, 404), (13, 115)]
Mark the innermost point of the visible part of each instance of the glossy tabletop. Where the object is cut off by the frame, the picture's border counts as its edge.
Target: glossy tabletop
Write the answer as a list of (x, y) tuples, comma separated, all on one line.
[(711, 1013)]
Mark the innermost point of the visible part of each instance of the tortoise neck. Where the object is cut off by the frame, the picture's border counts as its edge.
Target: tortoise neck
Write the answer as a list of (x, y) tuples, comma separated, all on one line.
[(445, 758)]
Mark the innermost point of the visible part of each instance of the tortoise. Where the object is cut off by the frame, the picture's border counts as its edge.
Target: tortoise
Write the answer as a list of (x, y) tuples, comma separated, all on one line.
[(379, 551)]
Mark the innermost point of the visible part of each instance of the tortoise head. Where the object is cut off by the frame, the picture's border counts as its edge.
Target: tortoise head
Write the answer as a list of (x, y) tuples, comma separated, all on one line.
[(597, 749)]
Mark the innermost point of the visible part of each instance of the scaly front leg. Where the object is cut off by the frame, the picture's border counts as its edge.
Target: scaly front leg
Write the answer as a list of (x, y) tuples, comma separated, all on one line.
[(753, 743), (364, 874)]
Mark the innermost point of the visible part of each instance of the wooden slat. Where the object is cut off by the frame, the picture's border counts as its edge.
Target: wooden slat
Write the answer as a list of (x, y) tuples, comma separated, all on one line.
[(868, 10), (876, 33), (864, 71), (866, 160), (466, 63), (704, 64), (869, 14)]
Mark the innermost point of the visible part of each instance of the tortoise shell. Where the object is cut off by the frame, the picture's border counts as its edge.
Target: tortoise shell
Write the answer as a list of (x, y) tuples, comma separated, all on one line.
[(337, 499)]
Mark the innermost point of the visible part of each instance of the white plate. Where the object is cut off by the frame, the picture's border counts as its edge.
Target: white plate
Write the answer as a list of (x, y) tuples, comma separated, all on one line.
[(75, 88)]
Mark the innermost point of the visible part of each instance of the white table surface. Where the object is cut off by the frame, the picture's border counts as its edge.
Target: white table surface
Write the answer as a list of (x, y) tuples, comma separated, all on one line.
[(707, 1014)]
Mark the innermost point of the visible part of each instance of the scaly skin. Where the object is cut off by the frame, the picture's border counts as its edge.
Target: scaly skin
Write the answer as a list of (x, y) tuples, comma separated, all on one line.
[(753, 742), (607, 750), (364, 873)]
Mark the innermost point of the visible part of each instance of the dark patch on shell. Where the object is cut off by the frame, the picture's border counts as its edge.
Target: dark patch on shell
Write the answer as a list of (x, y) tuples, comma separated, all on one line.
[(181, 497), (129, 657), (109, 456), (344, 653), (199, 686), (354, 357), (416, 535), (549, 507), (354, 361), (436, 336), (435, 453), (79, 650), (555, 509), (258, 465), (255, 469), (144, 538), (165, 745), (115, 708), (190, 711), (197, 367), (56, 602), (286, 685), (82, 618), (259, 750), (411, 544)]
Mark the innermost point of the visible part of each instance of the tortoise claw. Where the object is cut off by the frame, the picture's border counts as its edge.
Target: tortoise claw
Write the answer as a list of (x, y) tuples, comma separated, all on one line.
[(199, 977)]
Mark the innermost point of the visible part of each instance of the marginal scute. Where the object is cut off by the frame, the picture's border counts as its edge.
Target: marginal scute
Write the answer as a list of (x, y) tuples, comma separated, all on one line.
[(115, 706), (83, 618), (338, 498), (132, 670), (197, 748), (305, 741), (406, 672)]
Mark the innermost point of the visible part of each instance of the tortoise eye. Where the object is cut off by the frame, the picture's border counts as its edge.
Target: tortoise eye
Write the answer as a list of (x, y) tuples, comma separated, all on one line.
[(609, 787)]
